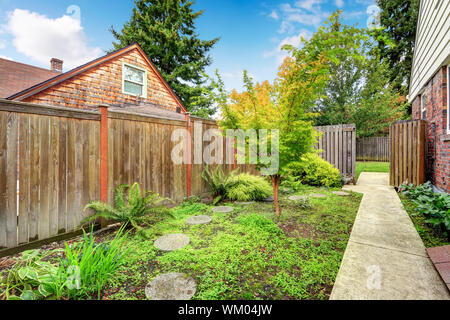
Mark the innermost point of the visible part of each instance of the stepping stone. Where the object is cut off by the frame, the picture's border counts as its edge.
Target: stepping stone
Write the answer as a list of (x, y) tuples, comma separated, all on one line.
[(171, 286), (298, 198), (341, 193), (318, 195), (245, 203), (223, 209), (193, 221), (269, 199), (172, 242)]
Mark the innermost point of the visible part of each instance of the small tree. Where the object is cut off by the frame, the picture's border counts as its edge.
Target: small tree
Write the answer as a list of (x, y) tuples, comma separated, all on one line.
[(286, 104)]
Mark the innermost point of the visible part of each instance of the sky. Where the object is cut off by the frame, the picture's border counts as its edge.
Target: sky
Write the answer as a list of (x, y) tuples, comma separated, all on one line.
[(251, 32)]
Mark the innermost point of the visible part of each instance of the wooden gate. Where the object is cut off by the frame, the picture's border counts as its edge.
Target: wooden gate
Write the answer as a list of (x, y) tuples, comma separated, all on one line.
[(339, 147), (408, 141)]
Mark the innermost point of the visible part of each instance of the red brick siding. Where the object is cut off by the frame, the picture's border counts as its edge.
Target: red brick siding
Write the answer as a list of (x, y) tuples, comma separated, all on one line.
[(438, 151), (103, 85)]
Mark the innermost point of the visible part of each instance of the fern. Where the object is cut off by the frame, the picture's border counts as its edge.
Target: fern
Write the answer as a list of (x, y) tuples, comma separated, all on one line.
[(132, 207), (217, 180)]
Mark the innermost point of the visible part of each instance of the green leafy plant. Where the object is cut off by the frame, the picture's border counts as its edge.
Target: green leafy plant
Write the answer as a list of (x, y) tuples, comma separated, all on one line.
[(434, 206), (86, 268), (132, 207), (314, 171), (247, 187), (233, 186), (91, 265), (217, 181), (33, 278)]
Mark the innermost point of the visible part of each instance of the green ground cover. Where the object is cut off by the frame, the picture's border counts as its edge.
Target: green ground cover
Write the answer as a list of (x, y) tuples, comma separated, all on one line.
[(248, 254), (371, 167)]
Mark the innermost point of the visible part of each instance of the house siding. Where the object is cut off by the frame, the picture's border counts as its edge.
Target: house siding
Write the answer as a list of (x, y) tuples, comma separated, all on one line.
[(438, 145), (103, 85), (432, 43)]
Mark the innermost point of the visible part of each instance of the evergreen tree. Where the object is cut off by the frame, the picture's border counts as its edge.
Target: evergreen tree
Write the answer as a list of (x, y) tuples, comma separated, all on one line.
[(396, 38), (165, 29)]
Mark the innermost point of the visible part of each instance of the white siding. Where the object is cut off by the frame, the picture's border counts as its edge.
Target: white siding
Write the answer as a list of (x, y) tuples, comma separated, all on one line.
[(432, 49)]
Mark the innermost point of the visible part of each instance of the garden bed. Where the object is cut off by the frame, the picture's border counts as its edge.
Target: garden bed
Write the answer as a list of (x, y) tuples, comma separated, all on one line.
[(249, 253)]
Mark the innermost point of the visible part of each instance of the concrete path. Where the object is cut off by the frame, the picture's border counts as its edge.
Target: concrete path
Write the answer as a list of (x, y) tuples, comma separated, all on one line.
[(385, 258)]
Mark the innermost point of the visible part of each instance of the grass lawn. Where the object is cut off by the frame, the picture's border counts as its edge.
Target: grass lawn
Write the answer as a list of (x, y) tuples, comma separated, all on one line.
[(371, 167), (431, 237), (247, 254)]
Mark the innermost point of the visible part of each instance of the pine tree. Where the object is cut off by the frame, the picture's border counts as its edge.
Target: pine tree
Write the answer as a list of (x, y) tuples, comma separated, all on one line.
[(165, 29), (397, 36)]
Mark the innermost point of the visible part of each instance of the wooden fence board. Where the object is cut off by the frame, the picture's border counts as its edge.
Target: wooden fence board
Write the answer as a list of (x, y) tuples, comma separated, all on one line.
[(24, 178), (373, 149), (339, 147), (407, 153)]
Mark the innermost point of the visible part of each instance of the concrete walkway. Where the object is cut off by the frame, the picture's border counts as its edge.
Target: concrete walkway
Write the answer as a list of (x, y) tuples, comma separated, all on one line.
[(385, 258)]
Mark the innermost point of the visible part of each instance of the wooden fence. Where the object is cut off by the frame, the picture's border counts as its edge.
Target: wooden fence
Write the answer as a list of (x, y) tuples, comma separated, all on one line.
[(408, 140), (373, 149), (339, 147), (51, 160)]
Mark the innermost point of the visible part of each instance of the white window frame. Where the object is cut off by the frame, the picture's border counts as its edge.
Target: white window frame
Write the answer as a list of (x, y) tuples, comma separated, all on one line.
[(423, 108), (448, 99), (144, 85)]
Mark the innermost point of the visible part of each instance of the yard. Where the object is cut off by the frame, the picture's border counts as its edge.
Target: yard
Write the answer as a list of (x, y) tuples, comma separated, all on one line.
[(247, 254), (371, 167)]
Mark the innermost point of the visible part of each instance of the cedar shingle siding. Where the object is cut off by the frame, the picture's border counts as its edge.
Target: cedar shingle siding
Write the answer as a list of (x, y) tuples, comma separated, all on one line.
[(103, 85)]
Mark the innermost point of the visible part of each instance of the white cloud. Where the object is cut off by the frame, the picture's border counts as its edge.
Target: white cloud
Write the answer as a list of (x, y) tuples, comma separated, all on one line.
[(5, 57), (339, 3), (41, 38), (274, 15), (295, 41), (304, 12)]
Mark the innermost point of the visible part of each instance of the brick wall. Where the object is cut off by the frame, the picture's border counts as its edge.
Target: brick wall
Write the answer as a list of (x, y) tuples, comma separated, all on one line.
[(438, 146), (103, 85)]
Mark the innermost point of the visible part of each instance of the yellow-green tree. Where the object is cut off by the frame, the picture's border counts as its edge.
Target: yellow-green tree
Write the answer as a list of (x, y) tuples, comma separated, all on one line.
[(284, 104)]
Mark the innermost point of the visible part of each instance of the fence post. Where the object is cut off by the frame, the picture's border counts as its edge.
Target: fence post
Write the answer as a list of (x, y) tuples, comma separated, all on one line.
[(103, 158), (189, 155)]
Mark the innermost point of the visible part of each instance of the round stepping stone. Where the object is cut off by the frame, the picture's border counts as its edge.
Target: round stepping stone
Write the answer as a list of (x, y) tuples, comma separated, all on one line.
[(223, 209), (172, 242), (298, 198), (317, 195), (193, 221), (269, 199), (341, 193), (245, 203), (171, 286)]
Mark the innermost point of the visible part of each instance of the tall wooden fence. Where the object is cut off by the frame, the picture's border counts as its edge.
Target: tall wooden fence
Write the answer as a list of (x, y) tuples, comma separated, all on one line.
[(339, 147), (373, 149), (407, 152), (51, 161)]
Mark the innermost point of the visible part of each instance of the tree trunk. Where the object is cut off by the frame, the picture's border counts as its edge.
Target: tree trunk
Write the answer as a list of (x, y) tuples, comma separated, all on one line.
[(276, 184)]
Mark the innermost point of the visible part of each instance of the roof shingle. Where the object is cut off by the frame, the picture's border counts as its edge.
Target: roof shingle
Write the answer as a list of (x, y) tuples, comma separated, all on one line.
[(15, 77)]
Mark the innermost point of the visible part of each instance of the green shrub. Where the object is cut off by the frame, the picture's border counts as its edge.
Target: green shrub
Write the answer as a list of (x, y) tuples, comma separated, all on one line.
[(247, 187), (233, 186), (217, 180), (133, 209), (435, 207), (315, 171), (86, 269)]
